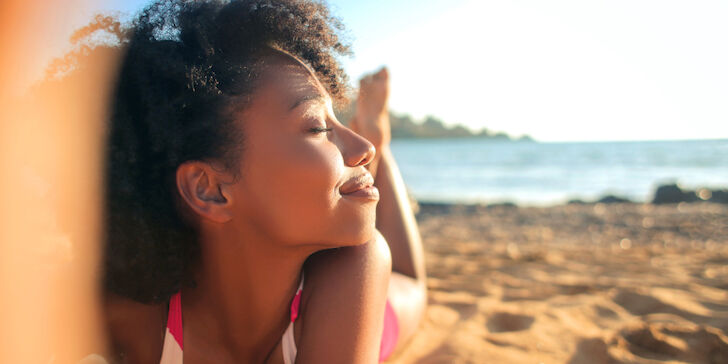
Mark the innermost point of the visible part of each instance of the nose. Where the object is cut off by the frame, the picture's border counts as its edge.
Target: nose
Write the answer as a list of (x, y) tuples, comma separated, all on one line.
[(356, 150)]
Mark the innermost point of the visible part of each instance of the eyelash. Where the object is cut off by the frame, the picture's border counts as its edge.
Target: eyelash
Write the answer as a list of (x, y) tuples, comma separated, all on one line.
[(320, 130)]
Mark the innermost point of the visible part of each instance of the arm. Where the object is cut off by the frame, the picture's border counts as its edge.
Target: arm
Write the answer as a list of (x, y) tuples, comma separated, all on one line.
[(395, 219), (135, 330), (343, 304)]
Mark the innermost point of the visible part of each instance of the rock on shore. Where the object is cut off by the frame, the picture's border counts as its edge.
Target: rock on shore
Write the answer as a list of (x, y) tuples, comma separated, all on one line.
[(673, 193)]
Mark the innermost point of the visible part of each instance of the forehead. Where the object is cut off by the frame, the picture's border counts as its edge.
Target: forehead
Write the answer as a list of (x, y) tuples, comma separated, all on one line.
[(288, 77), (283, 83)]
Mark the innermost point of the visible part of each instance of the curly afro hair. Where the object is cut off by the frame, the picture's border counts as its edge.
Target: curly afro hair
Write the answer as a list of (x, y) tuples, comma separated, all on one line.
[(186, 65)]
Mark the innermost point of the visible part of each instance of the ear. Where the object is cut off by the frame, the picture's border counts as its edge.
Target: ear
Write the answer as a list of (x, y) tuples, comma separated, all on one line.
[(202, 188)]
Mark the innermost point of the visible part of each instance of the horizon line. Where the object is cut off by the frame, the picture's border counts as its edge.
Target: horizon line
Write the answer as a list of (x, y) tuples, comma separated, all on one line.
[(534, 140)]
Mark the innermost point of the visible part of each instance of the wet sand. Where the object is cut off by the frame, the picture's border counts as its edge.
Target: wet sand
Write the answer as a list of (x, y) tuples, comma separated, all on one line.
[(592, 283)]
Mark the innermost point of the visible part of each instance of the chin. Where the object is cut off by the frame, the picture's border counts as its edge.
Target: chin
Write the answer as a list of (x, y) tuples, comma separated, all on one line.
[(366, 235), (368, 228), (348, 227), (357, 234)]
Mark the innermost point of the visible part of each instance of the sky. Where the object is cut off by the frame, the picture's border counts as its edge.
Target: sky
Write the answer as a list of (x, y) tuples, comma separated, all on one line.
[(558, 70)]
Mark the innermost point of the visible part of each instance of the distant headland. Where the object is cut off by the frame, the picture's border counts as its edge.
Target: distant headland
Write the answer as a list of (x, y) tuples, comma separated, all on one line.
[(405, 127)]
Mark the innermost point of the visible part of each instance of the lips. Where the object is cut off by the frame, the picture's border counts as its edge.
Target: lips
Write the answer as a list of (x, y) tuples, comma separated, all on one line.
[(357, 183), (360, 186)]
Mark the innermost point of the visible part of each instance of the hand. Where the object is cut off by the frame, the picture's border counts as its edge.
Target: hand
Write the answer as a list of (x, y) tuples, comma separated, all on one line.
[(371, 119)]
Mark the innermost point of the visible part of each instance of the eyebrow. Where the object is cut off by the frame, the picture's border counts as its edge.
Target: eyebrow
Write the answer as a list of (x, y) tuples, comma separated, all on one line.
[(310, 97)]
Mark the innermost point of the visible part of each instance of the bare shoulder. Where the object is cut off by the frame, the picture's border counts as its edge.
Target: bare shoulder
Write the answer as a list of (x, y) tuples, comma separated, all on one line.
[(135, 330), (343, 303)]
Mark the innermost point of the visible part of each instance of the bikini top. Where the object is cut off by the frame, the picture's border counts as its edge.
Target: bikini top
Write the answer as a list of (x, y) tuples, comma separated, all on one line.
[(174, 344)]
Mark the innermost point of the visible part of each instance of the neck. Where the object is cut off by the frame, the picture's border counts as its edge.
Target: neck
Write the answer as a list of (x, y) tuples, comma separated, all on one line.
[(240, 306)]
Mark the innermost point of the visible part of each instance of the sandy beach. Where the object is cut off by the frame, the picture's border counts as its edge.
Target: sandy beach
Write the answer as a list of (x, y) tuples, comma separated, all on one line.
[(580, 283)]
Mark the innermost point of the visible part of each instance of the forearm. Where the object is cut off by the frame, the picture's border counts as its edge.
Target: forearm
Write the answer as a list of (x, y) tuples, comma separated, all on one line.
[(396, 221)]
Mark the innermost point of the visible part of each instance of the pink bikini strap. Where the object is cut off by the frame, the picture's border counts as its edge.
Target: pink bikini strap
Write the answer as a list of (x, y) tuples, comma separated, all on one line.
[(174, 318), (296, 304)]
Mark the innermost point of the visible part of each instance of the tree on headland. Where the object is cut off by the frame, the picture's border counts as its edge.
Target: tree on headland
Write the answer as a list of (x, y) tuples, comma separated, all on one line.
[(404, 127)]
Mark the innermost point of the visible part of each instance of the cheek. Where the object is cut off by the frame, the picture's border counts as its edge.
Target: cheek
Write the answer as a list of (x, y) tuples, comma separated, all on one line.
[(294, 187), (310, 208), (309, 176)]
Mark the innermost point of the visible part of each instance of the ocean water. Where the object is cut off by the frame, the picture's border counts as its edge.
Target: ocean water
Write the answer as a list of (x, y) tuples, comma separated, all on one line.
[(534, 173)]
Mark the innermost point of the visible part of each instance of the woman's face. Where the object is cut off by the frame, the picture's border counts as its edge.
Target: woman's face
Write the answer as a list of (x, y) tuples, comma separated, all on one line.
[(302, 173)]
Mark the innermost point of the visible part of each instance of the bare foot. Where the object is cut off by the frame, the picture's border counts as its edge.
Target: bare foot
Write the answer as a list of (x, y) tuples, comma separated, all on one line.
[(372, 115)]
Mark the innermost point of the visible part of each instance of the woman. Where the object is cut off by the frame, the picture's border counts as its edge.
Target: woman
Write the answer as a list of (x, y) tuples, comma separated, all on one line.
[(229, 181)]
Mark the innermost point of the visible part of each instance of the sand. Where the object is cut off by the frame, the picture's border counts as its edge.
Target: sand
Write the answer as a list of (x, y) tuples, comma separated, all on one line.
[(594, 283)]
